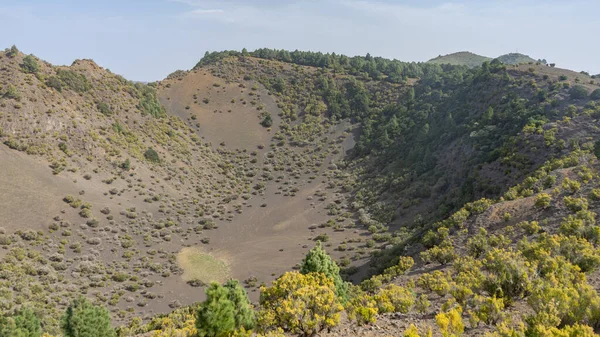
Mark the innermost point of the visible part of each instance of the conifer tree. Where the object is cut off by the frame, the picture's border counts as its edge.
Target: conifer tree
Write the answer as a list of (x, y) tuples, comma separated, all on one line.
[(225, 310), (318, 261), (83, 319)]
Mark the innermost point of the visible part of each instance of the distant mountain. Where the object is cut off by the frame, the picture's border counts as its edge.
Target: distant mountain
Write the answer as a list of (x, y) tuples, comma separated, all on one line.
[(471, 60), (463, 58), (515, 58)]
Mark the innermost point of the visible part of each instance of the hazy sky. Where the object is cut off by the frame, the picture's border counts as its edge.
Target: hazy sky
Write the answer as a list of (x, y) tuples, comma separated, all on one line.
[(147, 40)]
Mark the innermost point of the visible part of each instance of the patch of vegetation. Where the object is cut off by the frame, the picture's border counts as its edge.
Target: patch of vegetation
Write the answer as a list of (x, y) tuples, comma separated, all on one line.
[(149, 104), (30, 65), (104, 108), (152, 156), (73, 80)]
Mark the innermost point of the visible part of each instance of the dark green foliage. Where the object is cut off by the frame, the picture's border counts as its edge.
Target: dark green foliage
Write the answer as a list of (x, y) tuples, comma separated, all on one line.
[(597, 149), (152, 156), (104, 108), (63, 147), (267, 121), (30, 65), (24, 323), (126, 165), (225, 310), (54, 82), (578, 92), (73, 80), (374, 67), (318, 261), (244, 312), (12, 51), (595, 95), (149, 104), (83, 319), (278, 84)]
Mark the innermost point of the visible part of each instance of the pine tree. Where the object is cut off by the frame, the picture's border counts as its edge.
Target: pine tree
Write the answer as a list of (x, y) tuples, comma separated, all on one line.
[(27, 323), (318, 261), (244, 312), (24, 323), (83, 319), (225, 310)]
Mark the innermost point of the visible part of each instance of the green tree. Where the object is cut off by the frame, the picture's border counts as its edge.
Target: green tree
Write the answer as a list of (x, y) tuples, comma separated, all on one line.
[(151, 155), (225, 310), (244, 312), (30, 65), (83, 319), (267, 122), (595, 95), (318, 261), (578, 91), (12, 52), (24, 323)]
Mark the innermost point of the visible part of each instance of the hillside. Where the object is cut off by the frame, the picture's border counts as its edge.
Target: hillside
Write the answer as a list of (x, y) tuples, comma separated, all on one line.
[(463, 58), (515, 58), (473, 60), (256, 156)]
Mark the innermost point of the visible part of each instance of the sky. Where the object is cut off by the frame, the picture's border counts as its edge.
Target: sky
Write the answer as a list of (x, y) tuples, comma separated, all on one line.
[(145, 40)]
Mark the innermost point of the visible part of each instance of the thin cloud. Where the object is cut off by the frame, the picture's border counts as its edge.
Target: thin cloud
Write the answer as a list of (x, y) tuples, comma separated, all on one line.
[(201, 11)]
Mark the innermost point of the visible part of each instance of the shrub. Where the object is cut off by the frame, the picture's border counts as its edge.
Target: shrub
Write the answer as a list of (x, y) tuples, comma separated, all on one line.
[(436, 282), (570, 185), (361, 307), (412, 331), (73, 80), (443, 254), (267, 122), (578, 92), (225, 310), (83, 319), (530, 227), (54, 82), (152, 156), (394, 298), (104, 109), (301, 304), (318, 261), (30, 65), (450, 323), (542, 200), (126, 165), (575, 204), (488, 309), (12, 52), (508, 274), (595, 95), (12, 93)]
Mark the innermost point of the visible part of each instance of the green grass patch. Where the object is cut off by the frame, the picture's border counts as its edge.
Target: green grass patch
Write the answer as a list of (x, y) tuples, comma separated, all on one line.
[(198, 265)]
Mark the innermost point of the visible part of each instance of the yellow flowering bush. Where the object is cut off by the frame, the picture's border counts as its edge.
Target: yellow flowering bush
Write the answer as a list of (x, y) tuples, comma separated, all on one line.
[(300, 304)]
